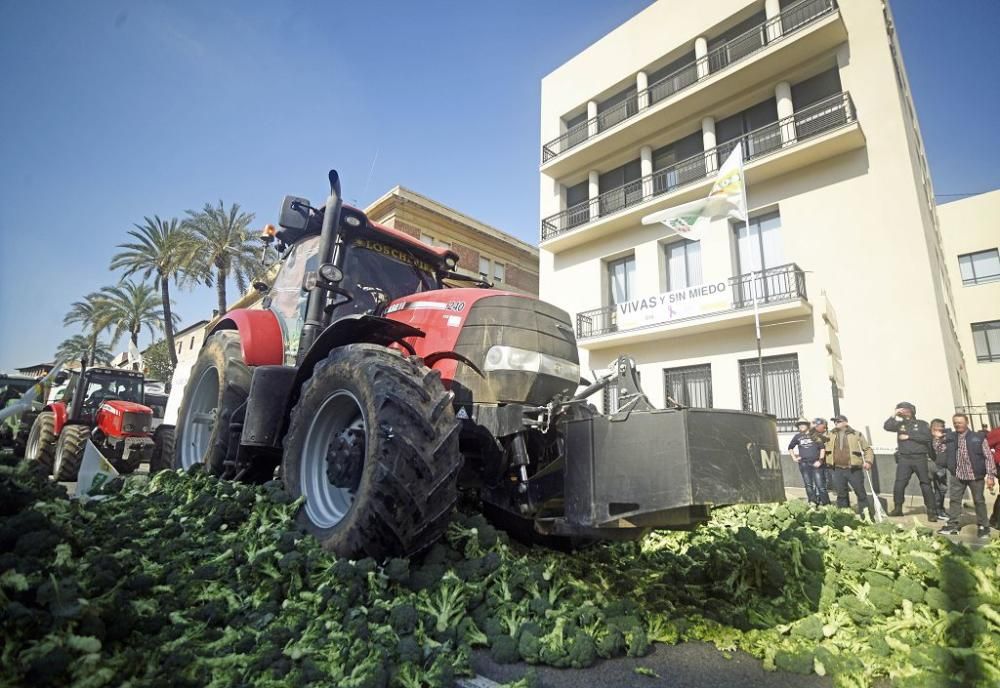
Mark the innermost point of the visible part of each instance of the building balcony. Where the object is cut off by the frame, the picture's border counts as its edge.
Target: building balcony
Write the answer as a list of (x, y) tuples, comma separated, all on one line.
[(780, 293), (819, 131), (802, 31)]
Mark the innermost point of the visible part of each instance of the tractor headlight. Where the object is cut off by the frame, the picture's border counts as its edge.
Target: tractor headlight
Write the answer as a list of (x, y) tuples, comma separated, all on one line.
[(509, 358)]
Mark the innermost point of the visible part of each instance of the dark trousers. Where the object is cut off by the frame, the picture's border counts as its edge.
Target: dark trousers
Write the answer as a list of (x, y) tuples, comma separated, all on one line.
[(814, 480), (853, 478), (906, 466), (939, 486), (956, 491), (995, 517)]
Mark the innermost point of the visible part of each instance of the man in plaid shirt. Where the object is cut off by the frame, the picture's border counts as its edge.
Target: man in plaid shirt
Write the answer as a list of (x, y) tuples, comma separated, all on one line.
[(970, 463)]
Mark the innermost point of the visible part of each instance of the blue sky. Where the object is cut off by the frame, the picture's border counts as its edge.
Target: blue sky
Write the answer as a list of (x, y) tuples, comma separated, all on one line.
[(116, 110)]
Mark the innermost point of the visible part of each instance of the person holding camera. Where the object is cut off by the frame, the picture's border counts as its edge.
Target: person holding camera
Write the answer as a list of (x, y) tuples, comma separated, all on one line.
[(970, 464), (913, 448), (849, 455)]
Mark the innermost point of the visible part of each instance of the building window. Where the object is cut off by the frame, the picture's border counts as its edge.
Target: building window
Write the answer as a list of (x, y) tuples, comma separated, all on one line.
[(431, 241), (484, 269), (191, 345), (689, 386), (621, 280), (980, 267), (993, 412), (180, 345), (620, 188), (986, 337), (782, 389), (760, 249), (683, 264), (499, 273)]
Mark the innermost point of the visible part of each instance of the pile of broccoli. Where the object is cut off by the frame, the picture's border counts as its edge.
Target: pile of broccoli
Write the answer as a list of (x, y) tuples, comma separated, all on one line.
[(186, 580)]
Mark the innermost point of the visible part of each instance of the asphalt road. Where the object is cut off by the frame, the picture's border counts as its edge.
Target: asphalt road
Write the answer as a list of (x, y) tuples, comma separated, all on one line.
[(694, 665)]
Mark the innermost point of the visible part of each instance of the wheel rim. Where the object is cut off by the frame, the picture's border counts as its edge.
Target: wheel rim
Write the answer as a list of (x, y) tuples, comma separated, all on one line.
[(199, 423), (31, 451), (327, 504), (57, 464)]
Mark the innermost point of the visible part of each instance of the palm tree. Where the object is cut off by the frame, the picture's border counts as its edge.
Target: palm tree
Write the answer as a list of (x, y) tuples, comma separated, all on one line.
[(225, 247), (162, 250), (89, 314), (79, 346), (128, 307)]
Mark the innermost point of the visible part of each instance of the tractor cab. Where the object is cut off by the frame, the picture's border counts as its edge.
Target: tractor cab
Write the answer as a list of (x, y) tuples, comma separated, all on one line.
[(98, 386), (372, 266)]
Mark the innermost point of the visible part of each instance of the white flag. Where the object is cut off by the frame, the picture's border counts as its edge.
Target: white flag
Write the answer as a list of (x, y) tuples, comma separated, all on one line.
[(724, 200)]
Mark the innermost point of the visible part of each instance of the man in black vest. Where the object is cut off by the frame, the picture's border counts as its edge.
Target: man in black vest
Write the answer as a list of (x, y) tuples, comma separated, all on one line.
[(913, 448), (969, 465)]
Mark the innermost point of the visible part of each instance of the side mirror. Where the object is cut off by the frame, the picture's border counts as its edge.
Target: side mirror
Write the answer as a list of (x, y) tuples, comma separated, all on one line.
[(261, 287), (294, 213)]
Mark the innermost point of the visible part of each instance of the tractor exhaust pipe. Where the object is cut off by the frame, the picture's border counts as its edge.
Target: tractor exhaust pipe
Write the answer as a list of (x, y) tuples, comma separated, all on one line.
[(315, 311)]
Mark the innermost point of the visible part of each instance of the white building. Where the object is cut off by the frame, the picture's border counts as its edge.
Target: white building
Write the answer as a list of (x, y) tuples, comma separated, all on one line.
[(971, 230), (856, 304)]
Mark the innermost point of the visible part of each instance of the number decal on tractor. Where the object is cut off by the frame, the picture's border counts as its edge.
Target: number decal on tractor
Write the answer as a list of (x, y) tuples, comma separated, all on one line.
[(456, 306)]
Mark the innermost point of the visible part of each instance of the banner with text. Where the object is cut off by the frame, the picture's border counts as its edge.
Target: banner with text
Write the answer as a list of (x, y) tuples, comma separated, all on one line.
[(674, 305)]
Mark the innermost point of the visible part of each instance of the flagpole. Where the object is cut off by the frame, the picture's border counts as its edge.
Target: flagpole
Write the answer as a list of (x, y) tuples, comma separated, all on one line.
[(753, 286)]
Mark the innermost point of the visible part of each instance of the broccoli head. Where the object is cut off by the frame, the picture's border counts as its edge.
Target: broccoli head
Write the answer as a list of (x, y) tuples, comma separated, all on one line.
[(504, 650)]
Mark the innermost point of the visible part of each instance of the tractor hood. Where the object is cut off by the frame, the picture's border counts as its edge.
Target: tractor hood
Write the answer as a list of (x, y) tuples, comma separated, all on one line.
[(119, 407)]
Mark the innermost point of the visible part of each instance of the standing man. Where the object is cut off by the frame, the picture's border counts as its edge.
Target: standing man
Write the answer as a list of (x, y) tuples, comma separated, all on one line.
[(993, 439), (849, 455), (808, 452), (969, 463), (913, 448), (822, 435), (939, 468)]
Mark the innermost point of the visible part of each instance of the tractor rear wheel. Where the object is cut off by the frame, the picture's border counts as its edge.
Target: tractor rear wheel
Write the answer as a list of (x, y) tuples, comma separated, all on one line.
[(372, 445), (218, 386), (42, 440), (163, 449), (69, 452)]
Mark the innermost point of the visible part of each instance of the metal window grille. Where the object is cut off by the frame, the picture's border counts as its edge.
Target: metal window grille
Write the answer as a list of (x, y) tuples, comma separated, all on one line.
[(690, 385), (782, 388)]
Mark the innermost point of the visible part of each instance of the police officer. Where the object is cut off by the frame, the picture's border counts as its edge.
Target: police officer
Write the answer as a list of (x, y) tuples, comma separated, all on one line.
[(913, 449)]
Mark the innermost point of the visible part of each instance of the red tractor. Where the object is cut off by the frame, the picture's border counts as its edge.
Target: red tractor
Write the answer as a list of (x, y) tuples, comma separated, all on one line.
[(103, 405), (379, 393)]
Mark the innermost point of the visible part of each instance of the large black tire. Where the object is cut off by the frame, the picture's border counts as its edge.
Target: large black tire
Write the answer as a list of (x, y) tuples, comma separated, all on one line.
[(42, 440), (403, 493), (69, 452), (163, 449), (219, 382)]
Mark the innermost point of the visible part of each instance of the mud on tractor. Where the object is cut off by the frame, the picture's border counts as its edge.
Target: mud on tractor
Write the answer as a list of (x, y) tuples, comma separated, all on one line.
[(380, 392), (104, 405)]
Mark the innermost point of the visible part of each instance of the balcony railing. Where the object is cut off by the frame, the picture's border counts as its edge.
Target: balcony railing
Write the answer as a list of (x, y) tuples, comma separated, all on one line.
[(818, 118), (732, 51), (772, 285)]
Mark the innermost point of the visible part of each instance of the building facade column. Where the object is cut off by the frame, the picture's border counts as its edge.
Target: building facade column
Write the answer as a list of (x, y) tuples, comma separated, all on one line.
[(591, 122), (594, 190), (786, 112), (646, 170), (701, 56), (708, 143), (642, 89), (772, 8)]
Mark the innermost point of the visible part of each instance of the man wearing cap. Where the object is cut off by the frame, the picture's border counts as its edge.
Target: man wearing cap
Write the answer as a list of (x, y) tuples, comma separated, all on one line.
[(807, 451), (970, 464), (849, 455), (913, 449)]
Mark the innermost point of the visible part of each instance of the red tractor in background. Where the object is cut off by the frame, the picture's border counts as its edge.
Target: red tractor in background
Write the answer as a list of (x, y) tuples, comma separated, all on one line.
[(379, 394), (100, 404)]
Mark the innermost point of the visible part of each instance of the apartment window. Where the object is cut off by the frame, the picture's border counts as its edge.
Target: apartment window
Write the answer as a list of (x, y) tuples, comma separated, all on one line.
[(986, 338), (671, 78), (191, 344), (576, 132), (760, 249), (980, 267), (576, 201), (816, 88), (737, 42), (782, 389), (617, 108), (620, 187), (757, 124), (499, 273), (621, 280), (431, 241), (993, 412), (673, 164), (683, 264), (484, 269), (689, 386)]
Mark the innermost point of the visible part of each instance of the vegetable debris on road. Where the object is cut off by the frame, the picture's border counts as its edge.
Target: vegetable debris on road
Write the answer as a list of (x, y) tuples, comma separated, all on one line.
[(187, 580)]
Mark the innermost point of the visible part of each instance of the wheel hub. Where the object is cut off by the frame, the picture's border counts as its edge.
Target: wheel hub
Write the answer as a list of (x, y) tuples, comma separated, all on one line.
[(345, 459)]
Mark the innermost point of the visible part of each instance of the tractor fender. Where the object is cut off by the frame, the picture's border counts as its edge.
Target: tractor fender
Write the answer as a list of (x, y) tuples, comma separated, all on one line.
[(358, 328), (58, 409), (260, 335)]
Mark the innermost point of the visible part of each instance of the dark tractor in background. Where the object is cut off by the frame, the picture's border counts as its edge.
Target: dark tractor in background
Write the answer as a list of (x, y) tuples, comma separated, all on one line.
[(379, 391)]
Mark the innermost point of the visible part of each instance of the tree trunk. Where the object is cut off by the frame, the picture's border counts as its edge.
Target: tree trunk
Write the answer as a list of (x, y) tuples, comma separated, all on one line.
[(135, 342), (92, 352), (220, 290), (168, 321)]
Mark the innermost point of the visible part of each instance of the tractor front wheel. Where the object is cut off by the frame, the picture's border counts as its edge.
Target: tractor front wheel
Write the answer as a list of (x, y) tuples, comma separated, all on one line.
[(372, 445), (69, 452), (163, 449), (41, 444), (218, 386)]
